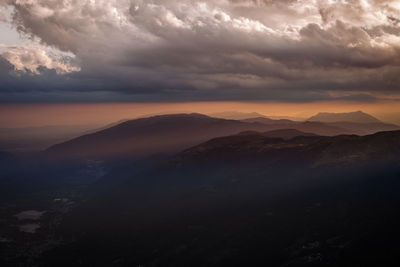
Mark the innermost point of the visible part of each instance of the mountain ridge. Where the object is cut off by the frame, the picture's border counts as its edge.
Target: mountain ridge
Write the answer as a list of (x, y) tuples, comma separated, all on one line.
[(356, 117), (322, 150), (236, 115), (145, 136), (166, 134), (172, 133)]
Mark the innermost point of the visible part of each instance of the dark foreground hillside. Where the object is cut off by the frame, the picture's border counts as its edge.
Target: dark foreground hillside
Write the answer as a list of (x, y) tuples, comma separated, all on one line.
[(243, 200)]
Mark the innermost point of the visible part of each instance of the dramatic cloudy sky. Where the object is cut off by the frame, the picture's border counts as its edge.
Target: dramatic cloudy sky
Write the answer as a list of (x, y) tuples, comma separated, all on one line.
[(170, 50)]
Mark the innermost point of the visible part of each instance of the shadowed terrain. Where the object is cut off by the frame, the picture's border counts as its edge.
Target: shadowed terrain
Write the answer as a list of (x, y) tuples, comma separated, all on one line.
[(244, 193), (248, 199)]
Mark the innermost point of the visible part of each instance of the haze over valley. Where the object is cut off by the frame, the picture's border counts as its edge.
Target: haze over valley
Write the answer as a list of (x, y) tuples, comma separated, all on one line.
[(191, 189)]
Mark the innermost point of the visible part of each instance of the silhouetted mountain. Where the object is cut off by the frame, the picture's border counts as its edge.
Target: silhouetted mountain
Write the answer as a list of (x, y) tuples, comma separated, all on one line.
[(365, 128), (291, 118), (339, 127), (281, 133), (266, 120), (286, 133), (235, 115), (146, 136), (357, 117), (317, 149), (166, 134), (317, 128), (106, 126)]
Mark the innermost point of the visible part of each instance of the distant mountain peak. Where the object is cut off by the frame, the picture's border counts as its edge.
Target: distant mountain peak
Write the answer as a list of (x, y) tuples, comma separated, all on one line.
[(356, 116)]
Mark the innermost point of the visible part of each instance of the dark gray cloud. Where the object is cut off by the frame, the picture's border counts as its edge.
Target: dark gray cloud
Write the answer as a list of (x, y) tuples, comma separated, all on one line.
[(168, 50)]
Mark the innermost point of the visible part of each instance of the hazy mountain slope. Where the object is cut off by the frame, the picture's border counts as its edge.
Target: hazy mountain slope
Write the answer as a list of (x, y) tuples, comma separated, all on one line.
[(319, 150), (286, 133), (346, 127), (357, 117), (38, 138), (235, 115), (146, 136), (266, 120), (317, 128), (167, 133), (365, 128), (106, 126), (280, 133)]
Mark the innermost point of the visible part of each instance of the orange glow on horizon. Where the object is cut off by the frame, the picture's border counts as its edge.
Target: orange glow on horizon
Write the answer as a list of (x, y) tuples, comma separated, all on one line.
[(25, 115)]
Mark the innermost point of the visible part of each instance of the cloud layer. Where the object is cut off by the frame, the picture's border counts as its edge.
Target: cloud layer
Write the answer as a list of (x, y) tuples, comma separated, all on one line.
[(169, 50)]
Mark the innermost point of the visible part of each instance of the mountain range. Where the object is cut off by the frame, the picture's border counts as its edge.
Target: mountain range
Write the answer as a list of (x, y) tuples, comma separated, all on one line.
[(282, 145), (193, 190), (175, 132), (153, 135), (237, 115)]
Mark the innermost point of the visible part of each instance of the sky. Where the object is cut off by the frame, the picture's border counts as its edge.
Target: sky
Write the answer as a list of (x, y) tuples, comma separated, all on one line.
[(294, 52)]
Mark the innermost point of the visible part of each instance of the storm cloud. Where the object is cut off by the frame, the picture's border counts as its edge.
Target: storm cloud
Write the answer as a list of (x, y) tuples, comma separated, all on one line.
[(169, 50)]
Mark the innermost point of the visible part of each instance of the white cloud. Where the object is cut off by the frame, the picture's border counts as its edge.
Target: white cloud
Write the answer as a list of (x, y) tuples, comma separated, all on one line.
[(33, 58)]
